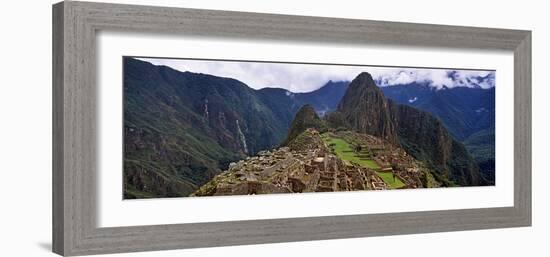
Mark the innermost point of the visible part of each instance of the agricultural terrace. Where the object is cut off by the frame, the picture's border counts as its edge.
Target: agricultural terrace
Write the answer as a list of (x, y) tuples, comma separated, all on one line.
[(362, 157)]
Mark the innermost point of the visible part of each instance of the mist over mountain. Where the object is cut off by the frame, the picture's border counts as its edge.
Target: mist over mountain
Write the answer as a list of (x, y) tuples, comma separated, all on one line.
[(437, 78), (307, 77)]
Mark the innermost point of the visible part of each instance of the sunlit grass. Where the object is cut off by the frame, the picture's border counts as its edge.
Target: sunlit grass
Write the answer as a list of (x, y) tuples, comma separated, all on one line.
[(344, 151), (390, 180)]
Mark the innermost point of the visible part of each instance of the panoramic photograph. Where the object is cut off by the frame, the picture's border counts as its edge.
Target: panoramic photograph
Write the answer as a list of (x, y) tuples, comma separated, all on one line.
[(200, 127)]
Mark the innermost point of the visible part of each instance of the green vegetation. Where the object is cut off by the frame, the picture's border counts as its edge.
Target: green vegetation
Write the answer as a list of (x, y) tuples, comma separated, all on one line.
[(131, 192), (388, 177), (428, 179), (345, 151), (482, 145)]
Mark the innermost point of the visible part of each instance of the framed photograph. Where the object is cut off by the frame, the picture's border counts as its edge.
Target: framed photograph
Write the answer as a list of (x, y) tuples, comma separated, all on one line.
[(182, 128)]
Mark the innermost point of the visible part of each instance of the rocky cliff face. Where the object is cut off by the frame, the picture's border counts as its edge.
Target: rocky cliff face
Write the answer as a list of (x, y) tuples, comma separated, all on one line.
[(468, 113), (425, 137), (463, 110), (366, 110)]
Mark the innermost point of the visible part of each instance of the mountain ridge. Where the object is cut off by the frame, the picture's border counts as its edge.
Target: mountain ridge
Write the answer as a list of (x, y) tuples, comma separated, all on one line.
[(366, 109), (181, 129)]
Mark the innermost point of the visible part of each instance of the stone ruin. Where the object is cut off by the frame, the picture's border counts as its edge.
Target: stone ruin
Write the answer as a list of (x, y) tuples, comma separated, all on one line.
[(309, 169)]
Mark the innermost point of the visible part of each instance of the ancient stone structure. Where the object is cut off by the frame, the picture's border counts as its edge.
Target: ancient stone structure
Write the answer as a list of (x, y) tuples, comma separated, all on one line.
[(312, 167)]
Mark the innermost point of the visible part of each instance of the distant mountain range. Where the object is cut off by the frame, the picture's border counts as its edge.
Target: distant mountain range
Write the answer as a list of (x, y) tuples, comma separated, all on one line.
[(182, 128)]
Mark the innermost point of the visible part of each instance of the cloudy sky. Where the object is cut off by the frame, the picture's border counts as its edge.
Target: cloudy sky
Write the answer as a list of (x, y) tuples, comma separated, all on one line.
[(309, 77)]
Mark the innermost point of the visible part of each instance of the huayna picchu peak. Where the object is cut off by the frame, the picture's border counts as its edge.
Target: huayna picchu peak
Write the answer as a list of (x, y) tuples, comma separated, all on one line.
[(366, 110)]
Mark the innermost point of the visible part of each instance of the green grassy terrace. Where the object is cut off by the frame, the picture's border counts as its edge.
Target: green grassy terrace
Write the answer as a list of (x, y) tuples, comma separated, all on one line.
[(344, 151), (390, 180)]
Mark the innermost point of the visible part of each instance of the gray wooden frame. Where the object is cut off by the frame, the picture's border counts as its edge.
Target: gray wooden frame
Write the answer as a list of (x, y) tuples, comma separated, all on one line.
[(75, 25)]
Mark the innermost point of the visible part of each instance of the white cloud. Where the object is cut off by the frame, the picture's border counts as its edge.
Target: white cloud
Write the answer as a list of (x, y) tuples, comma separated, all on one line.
[(308, 77)]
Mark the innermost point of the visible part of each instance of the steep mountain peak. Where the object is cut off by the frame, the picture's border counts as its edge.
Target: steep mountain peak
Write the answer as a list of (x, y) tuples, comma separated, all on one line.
[(364, 80), (366, 110), (307, 140), (305, 118), (362, 88), (307, 109)]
